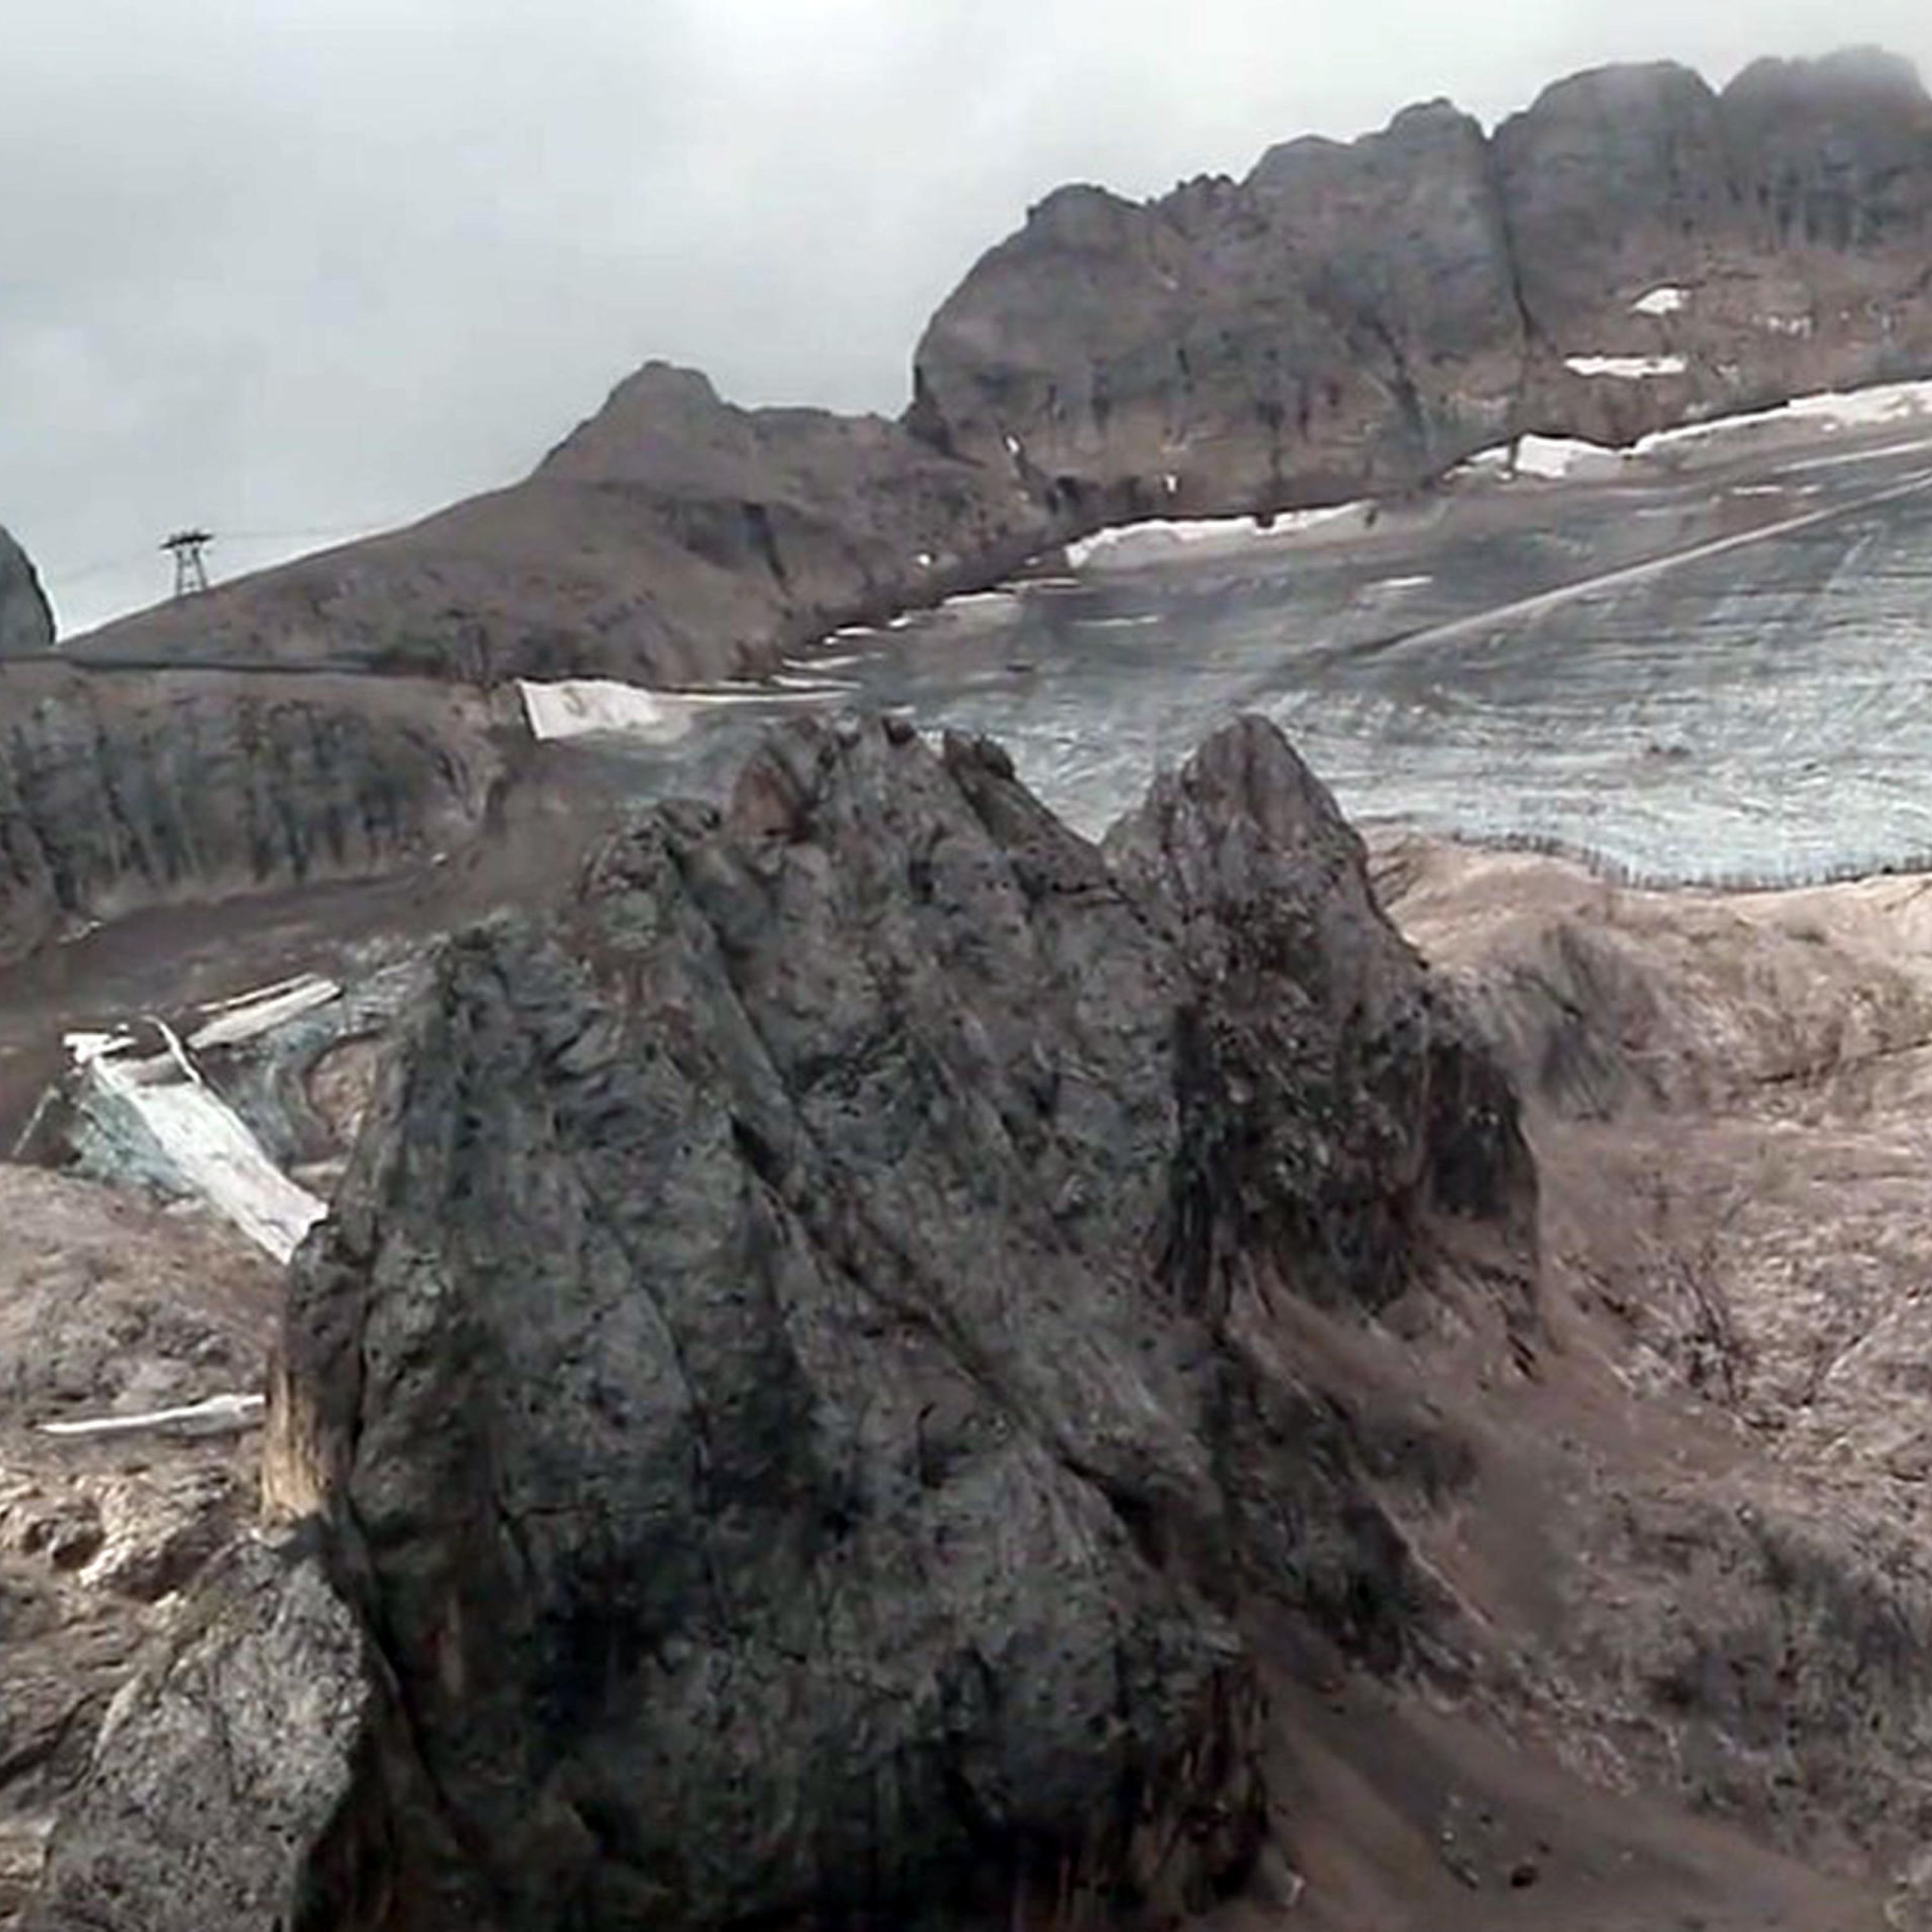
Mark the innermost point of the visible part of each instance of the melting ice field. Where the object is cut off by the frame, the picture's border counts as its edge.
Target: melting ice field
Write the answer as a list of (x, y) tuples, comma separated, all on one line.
[(1707, 658)]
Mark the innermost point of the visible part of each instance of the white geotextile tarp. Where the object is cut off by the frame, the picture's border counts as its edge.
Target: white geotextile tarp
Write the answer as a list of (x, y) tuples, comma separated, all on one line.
[(206, 1141)]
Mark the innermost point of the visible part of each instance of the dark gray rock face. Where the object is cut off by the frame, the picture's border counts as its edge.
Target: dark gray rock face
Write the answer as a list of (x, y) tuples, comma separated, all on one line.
[(119, 792), (1791, 211), (796, 1388), (1353, 319), (220, 1766), (1345, 318), (26, 623)]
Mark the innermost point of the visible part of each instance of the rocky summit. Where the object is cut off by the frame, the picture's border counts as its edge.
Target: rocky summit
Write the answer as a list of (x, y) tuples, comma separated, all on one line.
[(870, 1360), (823, 1366), (1634, 250)]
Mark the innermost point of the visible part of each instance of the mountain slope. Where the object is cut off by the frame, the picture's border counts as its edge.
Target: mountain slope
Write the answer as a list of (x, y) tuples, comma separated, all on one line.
[(1634, 250)]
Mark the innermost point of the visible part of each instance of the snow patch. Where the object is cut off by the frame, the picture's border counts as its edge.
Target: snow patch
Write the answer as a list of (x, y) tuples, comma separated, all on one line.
[(1830, 410), (1157, 540), (1666, 301), (1556, 458), (979, 600), (1626, 368)]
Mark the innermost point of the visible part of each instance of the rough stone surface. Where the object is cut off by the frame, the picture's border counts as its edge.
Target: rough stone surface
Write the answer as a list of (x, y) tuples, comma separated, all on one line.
[(120, 791), (795, 1376), (224, 1761), (1350, 320), (107, 1307), (1727, 1098), (26, 623), (1345, 320)]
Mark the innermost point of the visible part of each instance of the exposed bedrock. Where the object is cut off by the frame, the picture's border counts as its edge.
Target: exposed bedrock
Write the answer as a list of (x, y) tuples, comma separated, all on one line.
[(812, 1378), (119, 791), (1353, 319), (671, 538)]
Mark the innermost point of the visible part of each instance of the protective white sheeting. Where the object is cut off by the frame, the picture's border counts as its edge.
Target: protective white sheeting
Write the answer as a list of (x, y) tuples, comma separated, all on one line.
[(582, 707), (1627, 368), (249, 1015), (1158, 539), (212, 1150), (84, 1048), (589, 707), (218, 1414), (1662, 301)]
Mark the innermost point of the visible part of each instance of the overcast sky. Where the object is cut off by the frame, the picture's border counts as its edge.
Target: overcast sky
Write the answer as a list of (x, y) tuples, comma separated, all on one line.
[(295, 268)]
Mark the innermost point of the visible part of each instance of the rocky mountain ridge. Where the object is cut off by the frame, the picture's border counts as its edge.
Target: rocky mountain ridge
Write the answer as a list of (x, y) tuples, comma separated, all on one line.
[(888, 1353), (120, 790), (1350, 319), (1633, 251)]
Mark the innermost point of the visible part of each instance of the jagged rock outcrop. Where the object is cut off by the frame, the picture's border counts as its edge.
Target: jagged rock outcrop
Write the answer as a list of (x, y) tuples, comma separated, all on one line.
[(26, 623), (670, 539), (122, 791), (800, 1388), (1634, 250), (1345, 319)]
